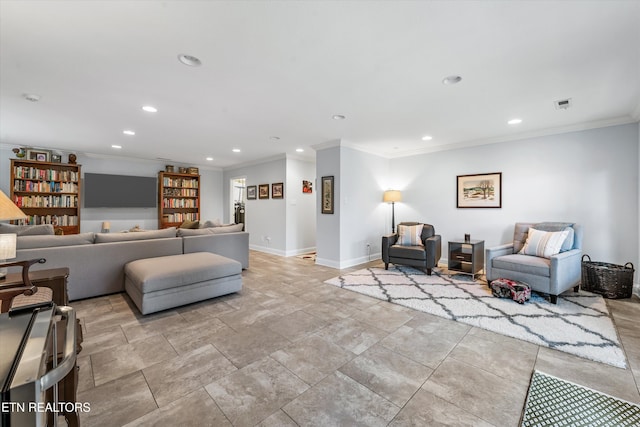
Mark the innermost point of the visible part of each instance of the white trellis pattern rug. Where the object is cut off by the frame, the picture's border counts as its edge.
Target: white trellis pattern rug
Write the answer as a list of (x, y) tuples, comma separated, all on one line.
[(579, 323)]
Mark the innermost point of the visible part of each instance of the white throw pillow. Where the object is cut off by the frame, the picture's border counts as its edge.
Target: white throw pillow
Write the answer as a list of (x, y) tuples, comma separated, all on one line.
[(410, 235), (544, 243)]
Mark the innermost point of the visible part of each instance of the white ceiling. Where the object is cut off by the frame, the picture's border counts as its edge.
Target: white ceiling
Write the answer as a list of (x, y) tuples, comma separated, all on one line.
[(284, 68)]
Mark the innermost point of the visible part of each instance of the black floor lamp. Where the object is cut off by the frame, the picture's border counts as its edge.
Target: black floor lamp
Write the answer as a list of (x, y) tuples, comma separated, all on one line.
[(392, 196)]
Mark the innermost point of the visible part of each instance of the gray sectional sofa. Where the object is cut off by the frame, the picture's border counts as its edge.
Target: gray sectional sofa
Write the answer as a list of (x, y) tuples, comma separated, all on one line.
[(96, 261)]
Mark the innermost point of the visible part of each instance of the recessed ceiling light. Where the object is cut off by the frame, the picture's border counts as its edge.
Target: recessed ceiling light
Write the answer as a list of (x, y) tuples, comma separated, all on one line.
[(451, 80), (128, 132), (299, 150), (209, 159), (427, 138), (274, 138), (31, 97), (150, 109), (236, 150), (514, 121), (189, 60), (116, 146), (338, 117)]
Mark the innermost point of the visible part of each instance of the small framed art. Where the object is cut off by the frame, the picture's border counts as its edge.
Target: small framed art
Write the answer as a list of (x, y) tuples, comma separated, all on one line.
[(39, 155), (277, 190), (307, 187), (327, 195), (251, 192), (263, 191)]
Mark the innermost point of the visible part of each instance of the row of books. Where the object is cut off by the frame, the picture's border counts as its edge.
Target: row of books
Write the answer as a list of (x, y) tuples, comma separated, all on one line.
[(178, 192), (25, 172), (46, 201), (57, 220), (181, 217), (45, 186), (180, 203), (179, 182)]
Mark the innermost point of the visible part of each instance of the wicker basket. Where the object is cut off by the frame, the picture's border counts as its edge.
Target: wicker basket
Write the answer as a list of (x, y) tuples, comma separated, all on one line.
[(609, 280)]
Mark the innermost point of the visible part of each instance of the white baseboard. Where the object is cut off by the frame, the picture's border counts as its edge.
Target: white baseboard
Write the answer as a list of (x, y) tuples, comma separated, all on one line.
[(267, 250), (349, 262), (300, 251)]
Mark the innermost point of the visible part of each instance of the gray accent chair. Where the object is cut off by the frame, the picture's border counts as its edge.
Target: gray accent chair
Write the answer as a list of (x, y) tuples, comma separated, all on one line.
[(551, 276), (425, 257)]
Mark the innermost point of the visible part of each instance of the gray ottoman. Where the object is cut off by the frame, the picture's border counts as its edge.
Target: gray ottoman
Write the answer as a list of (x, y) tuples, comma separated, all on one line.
[(160, 283)]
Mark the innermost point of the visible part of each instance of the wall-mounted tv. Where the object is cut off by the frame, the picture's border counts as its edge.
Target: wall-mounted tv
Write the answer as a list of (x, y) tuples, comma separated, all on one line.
[(119, 191)]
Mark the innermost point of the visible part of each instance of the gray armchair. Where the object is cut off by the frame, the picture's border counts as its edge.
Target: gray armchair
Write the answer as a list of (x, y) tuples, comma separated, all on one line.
[(552, 275), (425, 257)]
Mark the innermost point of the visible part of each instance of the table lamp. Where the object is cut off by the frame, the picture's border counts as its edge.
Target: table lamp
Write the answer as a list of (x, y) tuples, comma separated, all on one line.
[(392, 196), (8, 211)]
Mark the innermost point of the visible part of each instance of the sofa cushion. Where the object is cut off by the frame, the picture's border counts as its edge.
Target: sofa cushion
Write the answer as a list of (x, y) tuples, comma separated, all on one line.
[(27, 230), (409, 235), (33, 242), (523, 263), (182, 232), (232, 228), (543, 243), (141, 235), (409, 252)]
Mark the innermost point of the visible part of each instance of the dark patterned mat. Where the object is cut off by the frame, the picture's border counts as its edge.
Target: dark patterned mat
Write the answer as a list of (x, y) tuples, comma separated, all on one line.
[(555, 402)]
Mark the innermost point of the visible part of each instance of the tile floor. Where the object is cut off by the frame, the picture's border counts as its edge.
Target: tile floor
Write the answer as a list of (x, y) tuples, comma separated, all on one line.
[(289, 350)]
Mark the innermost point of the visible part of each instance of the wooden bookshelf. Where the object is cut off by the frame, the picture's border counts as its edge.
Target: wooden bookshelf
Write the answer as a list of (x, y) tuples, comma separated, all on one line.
[(49, 193), (178, 198)]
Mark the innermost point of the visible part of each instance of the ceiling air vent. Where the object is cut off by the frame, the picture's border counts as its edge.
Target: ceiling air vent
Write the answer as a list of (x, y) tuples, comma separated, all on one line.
[(563, 104)]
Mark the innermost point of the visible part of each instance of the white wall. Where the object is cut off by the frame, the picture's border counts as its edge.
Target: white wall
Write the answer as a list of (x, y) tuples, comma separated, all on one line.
[(300, 207), (265, 219), (589, 177), (328, 225), (124, 218)]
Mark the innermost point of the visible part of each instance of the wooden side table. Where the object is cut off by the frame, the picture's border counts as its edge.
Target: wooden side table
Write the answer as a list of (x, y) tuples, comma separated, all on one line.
[(56, 280), (466, 256)]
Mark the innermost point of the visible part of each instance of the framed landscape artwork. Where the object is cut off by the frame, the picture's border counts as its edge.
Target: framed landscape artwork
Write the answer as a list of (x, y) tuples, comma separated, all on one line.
[(327, 195), (251, 192), (263, 191), (277, 190), (480, 191)]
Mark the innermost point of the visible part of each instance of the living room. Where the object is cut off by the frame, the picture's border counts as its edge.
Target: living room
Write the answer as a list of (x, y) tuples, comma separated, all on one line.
[(578, 164)]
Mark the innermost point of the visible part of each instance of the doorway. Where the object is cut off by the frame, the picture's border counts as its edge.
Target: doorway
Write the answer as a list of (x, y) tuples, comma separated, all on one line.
[(237, 200)]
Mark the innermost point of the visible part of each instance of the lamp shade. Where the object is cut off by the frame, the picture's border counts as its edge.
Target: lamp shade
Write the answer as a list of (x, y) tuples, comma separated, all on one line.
[(7, 246), (8, 209), (392, 196)]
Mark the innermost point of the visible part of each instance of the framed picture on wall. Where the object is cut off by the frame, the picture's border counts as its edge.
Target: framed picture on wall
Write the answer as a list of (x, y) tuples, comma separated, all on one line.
[(307, 187), (39, 155), (327, 195), (251, 192), (277, 190), (263, 191), (480, 190)]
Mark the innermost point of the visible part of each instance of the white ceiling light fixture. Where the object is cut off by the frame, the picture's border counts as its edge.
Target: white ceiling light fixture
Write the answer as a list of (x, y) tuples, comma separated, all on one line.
[(32, 97), (128, 132), (563, 104), (451, 80), (117, 147), (338, 117), (209, 159), (236, 150), (189, 60), (150, 109), (514, 121), (299, 150), (427, 138)]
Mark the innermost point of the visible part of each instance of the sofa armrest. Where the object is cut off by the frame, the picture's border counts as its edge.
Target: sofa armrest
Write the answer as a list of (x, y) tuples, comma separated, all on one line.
[(491, 253), (433, 247), (565, 270), (387, 242)]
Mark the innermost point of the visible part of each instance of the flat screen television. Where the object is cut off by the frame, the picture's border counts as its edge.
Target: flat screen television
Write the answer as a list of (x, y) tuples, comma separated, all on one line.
[(119, 191)]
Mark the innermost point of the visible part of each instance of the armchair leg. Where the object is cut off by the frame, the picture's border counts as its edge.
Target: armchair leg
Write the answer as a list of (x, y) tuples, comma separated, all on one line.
[(554, 299), (386, 265), (429, 271), (576, 288)]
